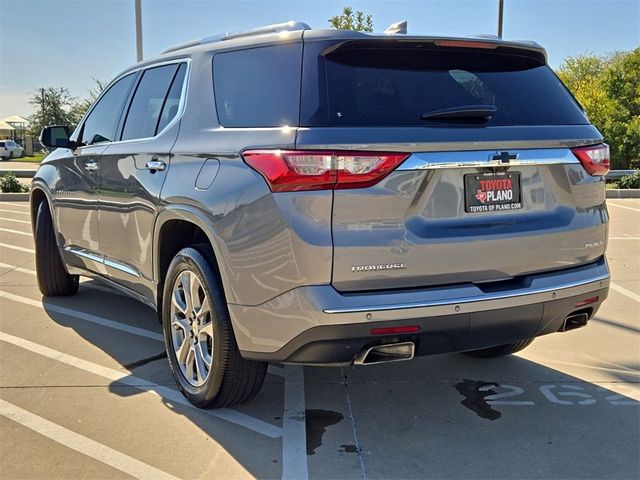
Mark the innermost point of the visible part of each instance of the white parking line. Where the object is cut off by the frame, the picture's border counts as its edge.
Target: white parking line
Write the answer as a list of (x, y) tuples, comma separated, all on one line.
[(15, 268), (624, 291), (92, 286), (14, 247), (13, 211), (125, 378), (294, 434), (105, 322), (16, 232), (82, 444), (627, 237), (15, 220), (623, 206), (19, 205)]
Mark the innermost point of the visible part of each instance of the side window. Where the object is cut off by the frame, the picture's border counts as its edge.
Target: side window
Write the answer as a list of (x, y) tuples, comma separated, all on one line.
[(101, 123), (172, 102), (148, 101), (259, 87)]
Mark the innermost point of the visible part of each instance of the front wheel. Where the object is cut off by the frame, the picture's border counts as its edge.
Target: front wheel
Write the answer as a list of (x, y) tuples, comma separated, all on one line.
[(202, 351), (501, 350), (53, 279)]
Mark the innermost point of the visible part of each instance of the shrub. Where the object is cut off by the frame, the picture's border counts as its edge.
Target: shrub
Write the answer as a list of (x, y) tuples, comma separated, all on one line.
[(10, 184), (630, 181)]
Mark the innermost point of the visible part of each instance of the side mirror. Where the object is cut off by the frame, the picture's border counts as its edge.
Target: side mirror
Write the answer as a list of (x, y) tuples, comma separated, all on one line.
[(56, 136)]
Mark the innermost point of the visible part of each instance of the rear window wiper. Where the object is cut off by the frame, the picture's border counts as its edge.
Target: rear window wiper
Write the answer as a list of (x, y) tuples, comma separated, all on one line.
[(466, 111)]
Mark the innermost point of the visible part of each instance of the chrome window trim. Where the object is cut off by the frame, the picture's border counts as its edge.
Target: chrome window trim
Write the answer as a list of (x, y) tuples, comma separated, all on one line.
[(561, 289), (178, 116), (482, 158)]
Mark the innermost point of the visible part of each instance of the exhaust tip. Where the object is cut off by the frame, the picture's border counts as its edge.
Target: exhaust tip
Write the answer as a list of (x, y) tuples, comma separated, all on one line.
[(574, 321), (392, 352)]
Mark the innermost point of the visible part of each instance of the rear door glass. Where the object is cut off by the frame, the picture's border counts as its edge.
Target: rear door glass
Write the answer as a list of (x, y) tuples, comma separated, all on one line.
[(397, 86), (148, 100), (258, 87)]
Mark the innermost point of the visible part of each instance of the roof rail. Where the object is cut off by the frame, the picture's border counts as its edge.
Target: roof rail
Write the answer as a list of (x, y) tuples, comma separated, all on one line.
[(289, 26)]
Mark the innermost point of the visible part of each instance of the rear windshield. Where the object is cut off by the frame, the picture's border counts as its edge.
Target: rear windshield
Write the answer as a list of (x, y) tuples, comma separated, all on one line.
[(400, 86)]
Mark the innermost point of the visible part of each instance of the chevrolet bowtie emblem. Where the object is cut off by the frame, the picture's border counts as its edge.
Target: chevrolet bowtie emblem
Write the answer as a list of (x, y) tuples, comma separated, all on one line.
[(504, 157)]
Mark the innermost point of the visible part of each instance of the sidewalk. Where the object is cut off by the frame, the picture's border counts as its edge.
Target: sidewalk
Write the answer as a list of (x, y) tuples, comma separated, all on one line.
[(7, 165)]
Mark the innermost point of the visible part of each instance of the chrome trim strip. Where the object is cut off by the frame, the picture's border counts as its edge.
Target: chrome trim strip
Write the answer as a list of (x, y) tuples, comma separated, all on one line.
[(122, 267), (467, 300), (482, 158), (83, 253), (102, 261)]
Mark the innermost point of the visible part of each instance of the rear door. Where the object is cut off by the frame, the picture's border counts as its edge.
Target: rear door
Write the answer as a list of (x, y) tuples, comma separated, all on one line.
[(490, 189), (133, 170)]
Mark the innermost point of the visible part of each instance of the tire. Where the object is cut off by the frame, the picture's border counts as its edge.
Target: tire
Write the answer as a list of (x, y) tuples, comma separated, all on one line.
[(10, 155), (53, 279), (501, 350), (228, 379)]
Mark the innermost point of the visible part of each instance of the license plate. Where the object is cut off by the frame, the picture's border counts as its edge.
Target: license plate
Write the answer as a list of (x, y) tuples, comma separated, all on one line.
[(492, 192)]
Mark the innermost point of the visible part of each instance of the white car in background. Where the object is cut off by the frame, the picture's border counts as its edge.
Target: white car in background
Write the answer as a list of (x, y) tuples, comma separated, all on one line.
[(10, 149)]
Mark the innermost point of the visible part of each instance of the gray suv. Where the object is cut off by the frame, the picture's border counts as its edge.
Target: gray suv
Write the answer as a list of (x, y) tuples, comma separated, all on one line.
[(330, 197)]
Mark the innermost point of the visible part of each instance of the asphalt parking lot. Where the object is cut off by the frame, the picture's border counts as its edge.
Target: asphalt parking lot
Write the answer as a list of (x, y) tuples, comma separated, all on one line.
[(85, 392)]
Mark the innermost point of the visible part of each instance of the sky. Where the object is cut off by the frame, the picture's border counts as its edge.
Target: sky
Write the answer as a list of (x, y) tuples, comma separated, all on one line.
[(67, 43)]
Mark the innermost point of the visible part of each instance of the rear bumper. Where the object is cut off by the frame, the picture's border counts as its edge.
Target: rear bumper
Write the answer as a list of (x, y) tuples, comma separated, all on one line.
[(318, 325)]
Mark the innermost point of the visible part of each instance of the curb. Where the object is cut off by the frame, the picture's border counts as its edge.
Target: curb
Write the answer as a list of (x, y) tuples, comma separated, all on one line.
[(20, 173), (14, 197), (624, 193)]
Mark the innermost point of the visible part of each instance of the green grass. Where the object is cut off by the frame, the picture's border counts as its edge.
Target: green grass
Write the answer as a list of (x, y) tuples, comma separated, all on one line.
[(35, 158)]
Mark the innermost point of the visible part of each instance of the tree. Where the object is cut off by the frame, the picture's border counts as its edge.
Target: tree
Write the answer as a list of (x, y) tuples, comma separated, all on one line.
[(55, 106), (52, 107), (608, 88), (349, 21), (80, 108)]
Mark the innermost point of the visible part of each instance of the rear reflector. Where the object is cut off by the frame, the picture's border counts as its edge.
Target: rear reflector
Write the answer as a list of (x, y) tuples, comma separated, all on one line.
[(594, 159), (393, 330), (297, 170), (587, 301)]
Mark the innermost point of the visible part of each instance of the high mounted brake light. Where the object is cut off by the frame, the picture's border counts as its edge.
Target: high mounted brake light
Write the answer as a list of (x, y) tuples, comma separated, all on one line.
[(299, 170), (466, 44), (594, 159)]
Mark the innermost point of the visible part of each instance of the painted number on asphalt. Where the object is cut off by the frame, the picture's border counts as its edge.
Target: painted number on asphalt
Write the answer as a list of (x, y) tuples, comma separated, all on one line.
[(560, 394)]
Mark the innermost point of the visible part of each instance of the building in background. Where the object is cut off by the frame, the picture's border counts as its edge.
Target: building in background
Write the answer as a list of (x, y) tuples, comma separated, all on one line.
[(17, 127)]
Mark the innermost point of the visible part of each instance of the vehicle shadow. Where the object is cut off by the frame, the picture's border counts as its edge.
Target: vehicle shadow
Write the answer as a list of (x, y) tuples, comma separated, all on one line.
[(449, 416)]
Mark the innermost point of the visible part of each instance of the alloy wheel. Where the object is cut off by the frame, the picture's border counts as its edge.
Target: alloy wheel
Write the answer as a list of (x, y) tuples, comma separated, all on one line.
[(191, 328)]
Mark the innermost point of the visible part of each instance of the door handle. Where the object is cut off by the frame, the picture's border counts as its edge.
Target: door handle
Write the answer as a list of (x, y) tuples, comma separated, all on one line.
[(91, 166), (155, 165)]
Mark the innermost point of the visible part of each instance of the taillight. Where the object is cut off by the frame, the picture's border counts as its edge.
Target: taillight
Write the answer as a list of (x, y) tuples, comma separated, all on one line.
[(297, 170), (594, 159)]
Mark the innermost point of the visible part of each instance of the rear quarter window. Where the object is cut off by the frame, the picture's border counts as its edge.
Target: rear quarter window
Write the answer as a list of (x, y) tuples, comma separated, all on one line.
[(258, 87)]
